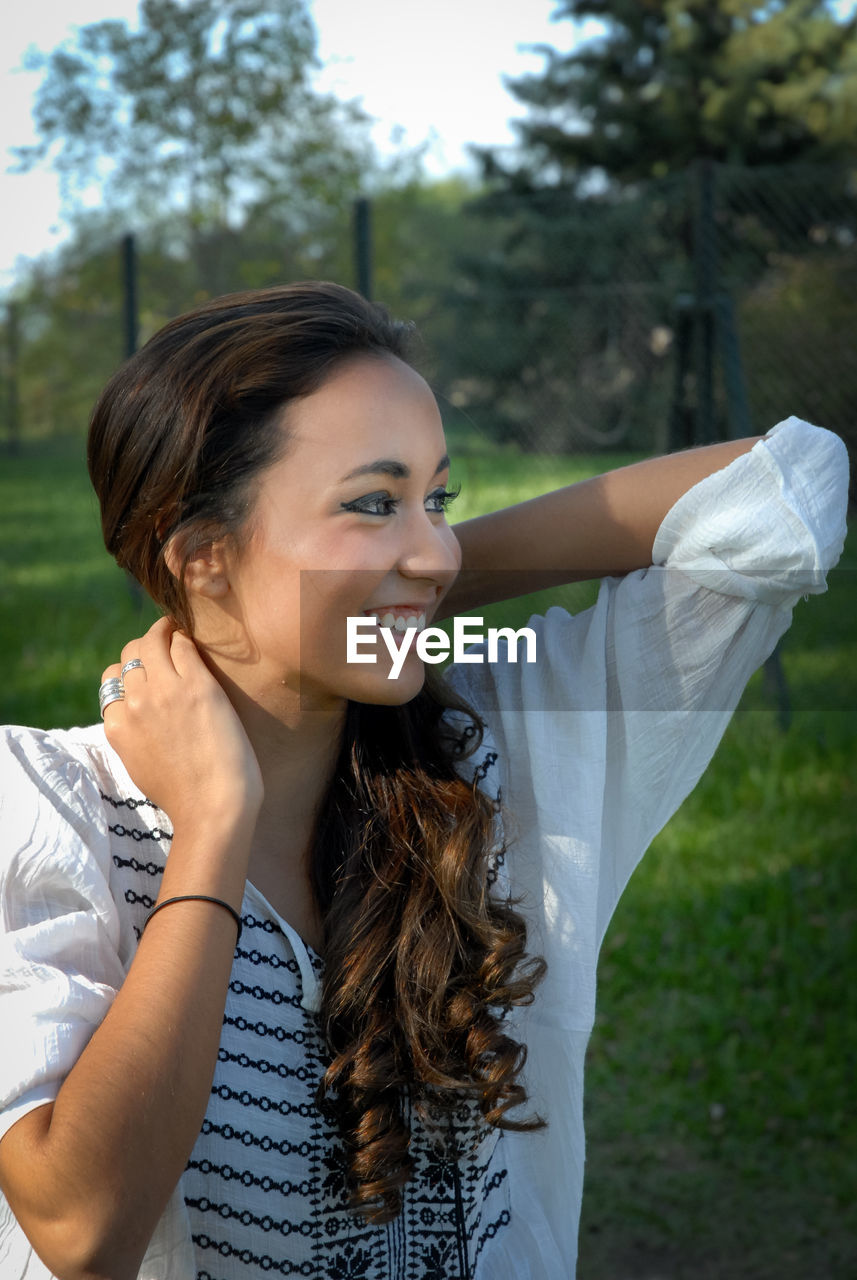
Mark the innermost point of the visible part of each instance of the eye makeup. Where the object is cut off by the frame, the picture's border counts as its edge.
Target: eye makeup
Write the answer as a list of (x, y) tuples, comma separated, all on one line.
[(364, 506)]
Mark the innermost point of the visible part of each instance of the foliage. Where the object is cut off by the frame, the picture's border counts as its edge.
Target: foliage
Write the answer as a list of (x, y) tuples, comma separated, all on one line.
[(420, 233), (207, 107), (70, 306), (797, 326), (667, 82), (560, 320), (203, 133), (598, 212)]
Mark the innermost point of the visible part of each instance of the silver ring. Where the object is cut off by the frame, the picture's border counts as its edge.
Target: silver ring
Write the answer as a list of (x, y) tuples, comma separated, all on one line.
[(131, 666), (111, 690)]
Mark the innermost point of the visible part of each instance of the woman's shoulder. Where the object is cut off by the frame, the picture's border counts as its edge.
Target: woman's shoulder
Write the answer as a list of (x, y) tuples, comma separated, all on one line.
[(48, 756), (57, 776)]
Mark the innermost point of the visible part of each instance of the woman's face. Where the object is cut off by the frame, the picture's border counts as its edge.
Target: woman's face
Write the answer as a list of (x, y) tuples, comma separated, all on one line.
[(350, 521)]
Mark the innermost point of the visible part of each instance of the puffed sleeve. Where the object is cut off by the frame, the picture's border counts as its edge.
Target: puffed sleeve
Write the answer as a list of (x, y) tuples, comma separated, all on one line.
[(604, 735), (60, 933)]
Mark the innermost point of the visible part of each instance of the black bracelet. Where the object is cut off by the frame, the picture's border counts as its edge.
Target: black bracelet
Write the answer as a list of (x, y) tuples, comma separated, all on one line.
[(197, 897)]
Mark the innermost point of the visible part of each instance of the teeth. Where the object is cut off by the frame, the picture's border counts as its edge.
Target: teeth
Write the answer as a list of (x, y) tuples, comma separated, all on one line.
[(399, 622)]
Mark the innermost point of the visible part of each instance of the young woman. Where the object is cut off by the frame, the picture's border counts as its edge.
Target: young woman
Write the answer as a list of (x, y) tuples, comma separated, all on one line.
[(298, 960)]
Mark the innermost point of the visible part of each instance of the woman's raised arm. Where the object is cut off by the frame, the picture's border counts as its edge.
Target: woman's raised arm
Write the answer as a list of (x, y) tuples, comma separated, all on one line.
[(605, 525)]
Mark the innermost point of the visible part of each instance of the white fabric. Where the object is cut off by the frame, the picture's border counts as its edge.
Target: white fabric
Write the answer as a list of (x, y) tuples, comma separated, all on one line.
[(597, 745)]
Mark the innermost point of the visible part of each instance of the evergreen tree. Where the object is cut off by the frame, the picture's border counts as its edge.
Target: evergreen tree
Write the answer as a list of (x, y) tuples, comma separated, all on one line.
[(598, 204), (668, 82)]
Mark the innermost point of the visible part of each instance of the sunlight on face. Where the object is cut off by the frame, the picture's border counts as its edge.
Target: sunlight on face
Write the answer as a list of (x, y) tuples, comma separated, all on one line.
[(350, 520)]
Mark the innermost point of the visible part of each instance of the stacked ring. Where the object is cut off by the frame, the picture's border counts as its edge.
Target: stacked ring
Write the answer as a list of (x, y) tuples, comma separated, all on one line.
[(112, 690)]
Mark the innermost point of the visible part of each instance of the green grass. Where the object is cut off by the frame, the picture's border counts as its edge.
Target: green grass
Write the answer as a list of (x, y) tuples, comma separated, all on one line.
[(722, 1139), (65, 608)]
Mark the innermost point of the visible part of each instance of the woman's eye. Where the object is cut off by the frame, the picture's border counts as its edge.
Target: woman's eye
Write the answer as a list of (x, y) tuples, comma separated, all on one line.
[(369, 506), (441, 498)]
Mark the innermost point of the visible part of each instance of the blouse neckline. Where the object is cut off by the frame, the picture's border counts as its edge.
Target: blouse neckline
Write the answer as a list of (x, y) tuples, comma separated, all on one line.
[(309, 962)]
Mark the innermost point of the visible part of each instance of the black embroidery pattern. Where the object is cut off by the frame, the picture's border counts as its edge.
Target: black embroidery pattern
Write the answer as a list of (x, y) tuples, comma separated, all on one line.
[(150, 868), (481, 771), (460, 743), (128, 802), (135, 833), (301, 1225), (139, 889), (265, 1183)]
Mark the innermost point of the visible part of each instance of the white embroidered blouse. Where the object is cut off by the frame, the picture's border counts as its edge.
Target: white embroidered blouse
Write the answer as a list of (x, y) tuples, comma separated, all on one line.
[(592, 748)]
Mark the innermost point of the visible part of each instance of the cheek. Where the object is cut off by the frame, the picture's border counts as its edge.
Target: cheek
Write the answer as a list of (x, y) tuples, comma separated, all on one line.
[(327, 598)]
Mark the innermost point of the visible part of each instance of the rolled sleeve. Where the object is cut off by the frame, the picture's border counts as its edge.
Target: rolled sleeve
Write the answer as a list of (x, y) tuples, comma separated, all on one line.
[(768, 526)]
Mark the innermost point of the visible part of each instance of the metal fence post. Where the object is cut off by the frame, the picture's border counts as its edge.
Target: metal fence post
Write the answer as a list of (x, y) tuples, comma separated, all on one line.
[(129, 294), (13, 408), (739, 423), (363, 246)]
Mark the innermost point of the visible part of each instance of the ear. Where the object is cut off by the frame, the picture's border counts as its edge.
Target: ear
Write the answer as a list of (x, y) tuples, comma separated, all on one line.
[(203, 563)]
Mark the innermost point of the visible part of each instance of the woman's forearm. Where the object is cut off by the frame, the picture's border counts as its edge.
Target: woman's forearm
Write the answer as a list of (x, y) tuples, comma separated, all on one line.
[(605, 525), (89, 1176)]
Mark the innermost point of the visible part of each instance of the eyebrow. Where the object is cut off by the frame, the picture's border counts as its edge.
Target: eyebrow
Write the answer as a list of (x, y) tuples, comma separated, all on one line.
[(389, 467)]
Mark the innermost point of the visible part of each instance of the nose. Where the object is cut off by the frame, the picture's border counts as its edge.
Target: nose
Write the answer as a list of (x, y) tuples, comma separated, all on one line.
[(430, 551)]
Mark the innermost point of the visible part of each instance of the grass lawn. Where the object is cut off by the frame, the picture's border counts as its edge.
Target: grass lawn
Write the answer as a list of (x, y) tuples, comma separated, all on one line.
[(722, 1128)]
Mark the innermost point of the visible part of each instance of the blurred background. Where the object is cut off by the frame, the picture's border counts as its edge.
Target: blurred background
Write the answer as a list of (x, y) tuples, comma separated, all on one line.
[(622, 227), (659, 250)]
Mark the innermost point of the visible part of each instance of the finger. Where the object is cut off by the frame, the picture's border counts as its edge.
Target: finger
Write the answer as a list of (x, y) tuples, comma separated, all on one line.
[(111, 673), (185, 656), (153, 650), (133, 672), (113, 713), (133, 668)]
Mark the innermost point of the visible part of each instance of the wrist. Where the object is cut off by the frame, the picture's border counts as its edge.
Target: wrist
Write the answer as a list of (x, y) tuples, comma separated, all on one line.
[(209, 854), (226, 821)]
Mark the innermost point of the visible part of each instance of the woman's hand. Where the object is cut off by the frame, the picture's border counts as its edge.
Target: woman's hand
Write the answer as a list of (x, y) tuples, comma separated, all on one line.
[(178, 734)]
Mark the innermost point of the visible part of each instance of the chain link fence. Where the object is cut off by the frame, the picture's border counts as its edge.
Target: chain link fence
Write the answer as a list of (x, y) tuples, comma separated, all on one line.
[(704, 305)]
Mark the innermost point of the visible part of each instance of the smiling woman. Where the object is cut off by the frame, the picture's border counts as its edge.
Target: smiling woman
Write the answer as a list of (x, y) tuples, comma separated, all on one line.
[(264, 943)]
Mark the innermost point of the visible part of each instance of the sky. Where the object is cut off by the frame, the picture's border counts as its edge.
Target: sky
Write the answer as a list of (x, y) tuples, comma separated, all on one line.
[(429, 72)]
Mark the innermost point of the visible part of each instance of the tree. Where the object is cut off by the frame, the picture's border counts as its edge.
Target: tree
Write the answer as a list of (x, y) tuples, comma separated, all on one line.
[(670, 81), (207, 109), (69, 306), (201, 131)]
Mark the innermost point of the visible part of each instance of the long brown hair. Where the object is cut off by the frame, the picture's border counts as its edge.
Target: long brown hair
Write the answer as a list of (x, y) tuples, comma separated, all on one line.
[(422, 961)]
